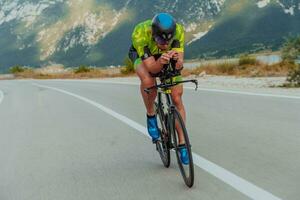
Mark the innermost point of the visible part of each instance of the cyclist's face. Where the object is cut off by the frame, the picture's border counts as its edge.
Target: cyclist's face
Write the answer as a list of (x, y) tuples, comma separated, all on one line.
[(162, 46), (162, 43)]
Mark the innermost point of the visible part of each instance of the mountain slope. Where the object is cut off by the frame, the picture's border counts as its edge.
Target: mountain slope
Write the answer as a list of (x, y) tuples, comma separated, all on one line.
[(248, 30), (76, 31), (98, 32)]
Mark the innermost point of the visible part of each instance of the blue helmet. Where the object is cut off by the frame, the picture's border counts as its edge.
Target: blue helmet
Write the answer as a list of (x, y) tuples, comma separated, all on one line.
[(163, 28)]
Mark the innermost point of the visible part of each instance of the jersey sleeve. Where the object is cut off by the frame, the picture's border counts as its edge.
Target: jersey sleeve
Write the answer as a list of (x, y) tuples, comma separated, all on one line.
[(139, 41), (179, 36)]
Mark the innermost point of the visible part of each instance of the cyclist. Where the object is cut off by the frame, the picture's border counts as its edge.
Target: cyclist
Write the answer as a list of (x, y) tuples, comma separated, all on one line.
[(154, 44)]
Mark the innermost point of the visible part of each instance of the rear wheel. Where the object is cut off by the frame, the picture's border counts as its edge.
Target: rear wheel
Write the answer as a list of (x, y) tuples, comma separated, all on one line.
[(162, 144), (187, 170)]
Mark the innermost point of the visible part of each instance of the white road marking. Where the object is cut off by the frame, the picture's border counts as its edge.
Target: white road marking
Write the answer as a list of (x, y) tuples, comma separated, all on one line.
[(1, 96), (96, 81), (193, 88), (246, 93), (118, 116), (226, 176)]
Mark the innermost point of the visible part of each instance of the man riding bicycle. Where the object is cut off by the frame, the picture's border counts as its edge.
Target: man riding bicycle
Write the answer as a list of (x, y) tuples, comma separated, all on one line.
[(155, 43)]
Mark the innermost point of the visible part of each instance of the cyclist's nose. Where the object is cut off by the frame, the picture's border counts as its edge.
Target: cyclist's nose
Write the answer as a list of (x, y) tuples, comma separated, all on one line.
[(163, 46)]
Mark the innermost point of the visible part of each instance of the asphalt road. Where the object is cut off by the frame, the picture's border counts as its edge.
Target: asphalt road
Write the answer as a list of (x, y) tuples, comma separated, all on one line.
[(83, 140)]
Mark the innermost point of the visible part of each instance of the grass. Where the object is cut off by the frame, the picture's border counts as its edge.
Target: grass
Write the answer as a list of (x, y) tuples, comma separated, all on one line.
[(246, 67), (16, 69), (128, 68), (81, 72), (244, 70), (82, 69), (223, 69), (293, 78), (247, 60)]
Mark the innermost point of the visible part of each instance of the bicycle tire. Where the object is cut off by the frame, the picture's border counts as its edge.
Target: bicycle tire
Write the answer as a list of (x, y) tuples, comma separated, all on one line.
[(162, 144), (187, 177)]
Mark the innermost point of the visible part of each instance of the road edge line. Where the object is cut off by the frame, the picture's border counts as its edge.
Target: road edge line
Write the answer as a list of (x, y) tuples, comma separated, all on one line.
[(1, 96)]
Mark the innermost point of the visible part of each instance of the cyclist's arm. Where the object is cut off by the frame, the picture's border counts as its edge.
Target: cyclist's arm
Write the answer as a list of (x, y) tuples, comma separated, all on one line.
[(152, 65), (140, 42), (178, 57), (179, 64), (178, 46)]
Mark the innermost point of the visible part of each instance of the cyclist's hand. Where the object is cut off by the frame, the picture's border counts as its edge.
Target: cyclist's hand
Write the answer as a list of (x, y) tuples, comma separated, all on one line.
[(174, 54), (164, 58), (178, 58)]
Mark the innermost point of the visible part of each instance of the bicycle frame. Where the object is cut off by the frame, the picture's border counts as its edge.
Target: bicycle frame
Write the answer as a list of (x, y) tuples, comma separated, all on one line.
[(169, 140), (170, 107), (167, 93)]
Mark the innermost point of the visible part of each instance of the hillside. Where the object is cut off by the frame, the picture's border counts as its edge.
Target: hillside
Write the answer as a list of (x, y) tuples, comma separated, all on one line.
[(97, 32)]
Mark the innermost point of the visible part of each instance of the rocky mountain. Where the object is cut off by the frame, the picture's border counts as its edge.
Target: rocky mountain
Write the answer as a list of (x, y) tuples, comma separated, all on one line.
[(97, 32), (246, 26)]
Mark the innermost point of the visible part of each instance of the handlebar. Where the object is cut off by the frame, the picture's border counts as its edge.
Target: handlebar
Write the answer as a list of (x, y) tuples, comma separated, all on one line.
[(168, 85), (168, 72)]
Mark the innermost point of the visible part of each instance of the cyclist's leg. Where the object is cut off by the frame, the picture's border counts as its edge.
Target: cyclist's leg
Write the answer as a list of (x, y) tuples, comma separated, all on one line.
[(177, 92), (146, 81)]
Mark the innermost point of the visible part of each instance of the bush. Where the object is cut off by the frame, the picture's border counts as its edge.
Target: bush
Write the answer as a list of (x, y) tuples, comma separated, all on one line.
[(129, 66), (291, 49), (293, 78), (82, 69), (16, 69), (226, 68), (247, 60)]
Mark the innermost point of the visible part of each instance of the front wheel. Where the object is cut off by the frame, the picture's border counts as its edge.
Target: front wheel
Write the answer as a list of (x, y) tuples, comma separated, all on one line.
[(162, 144), (187, 170)]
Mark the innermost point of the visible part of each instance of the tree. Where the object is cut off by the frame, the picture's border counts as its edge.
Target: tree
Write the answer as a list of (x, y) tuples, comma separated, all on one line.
[(291, 49), (16, 69), (129, 66), (293, 78)]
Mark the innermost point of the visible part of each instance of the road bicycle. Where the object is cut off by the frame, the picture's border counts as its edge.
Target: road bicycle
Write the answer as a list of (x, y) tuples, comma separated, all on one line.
[(170, 123)]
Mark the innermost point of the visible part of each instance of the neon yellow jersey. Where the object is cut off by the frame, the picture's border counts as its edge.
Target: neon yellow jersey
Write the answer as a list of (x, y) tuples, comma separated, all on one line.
[(142, 37)]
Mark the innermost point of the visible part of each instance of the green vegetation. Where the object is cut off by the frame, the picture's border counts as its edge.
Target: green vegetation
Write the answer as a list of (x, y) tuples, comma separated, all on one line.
[(247, 70), (129, 66), (82, 69), (247, 60), (58, 72), (291, 49), (293, 78), (16, 69), (226, 68), (290, 53)]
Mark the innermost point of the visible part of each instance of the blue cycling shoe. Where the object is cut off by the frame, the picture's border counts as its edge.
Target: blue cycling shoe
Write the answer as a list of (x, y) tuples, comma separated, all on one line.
[(153, 128), (184, 157)]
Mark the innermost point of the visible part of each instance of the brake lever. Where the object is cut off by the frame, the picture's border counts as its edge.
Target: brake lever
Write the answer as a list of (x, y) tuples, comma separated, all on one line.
[(196, 84)]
